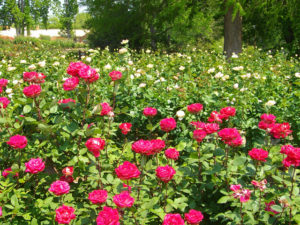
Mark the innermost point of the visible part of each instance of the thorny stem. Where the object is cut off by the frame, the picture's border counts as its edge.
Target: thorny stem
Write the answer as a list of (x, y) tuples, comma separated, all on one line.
[(200, 165), (99, 169), (241, 213), (38, 109), (259, 203), (166, 197), (291, 193)]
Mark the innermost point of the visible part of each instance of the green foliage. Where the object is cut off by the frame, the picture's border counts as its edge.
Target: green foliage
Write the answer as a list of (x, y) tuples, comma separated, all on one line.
[(172, 81)]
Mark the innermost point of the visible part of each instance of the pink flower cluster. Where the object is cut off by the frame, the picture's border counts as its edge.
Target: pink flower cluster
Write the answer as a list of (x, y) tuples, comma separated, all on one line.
[(293, 155), (150, 112), (98, 197), (224, 114), (281, 130), (123, 200), (231, 137), (165, 173), (267, 121), (209, 128), (67, 174), (95, 145), (34, 77), (108, 216), (79, 70), (125, 128), (242, 194), (260, 184), (65, 214), (168, 124), (8, 171), (4, 102), (59, 187), (193, 217), (17, 142), (105, 109), (148, 147), (195, 108), (35, 165), (172, 153), (127, 171), (32, 91), (258, 154), (115, 75)]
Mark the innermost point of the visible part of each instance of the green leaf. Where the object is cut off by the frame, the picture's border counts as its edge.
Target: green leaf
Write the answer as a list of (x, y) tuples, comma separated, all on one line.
[(276, 208), (224, 199), (14, 200), (27, 109)]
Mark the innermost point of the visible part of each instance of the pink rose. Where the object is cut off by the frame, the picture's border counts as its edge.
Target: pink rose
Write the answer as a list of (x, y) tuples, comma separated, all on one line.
[(195, 108), (65, 214), (98, 196), (157, 146), (261, 185), (115, 75), (59, 187), (142, 146), (71, 83), (168, 124), (193, 217), (125, 127), (242, 194), (211, 128), (32, 91), (127, 171), (95, 145), (172, 153), (198, 124), (66, 101), (123, 200), (74, 68), (17, 142), (1, 90), (150, 111), (258, 154), (35, 165), (108, 216), (89, 74), (29, 76), (68, 171), (0, 211), (199, 135), (4, 102), (227, 112), (230, 136), (281, 130), (173, 219), (215, 117), (267, 121), (8, 171), (165, 173), (293, 157), (3, 82), (105, 109)]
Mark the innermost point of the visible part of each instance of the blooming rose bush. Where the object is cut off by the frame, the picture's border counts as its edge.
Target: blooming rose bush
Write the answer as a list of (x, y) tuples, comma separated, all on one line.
[(106, 157)]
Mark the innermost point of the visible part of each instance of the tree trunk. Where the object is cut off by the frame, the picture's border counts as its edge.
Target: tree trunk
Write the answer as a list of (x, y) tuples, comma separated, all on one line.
[(232, 33)]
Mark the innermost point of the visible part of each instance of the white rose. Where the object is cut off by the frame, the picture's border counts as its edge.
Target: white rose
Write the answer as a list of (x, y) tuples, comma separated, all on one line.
[(63, 56), (107, 67), (15, 82), (270, 103), (234, 56), (42, 63), (150, 66), (297, 75), (131, 77), (142, 85), (56, 63), (130, 63), (124, 42), (180, 114), (236, 86), (137, 75), (8, 91), (181, 68), (122, 50), (88, 59), (148, 51), (238, 68), (211, 70), (11, 68), (23, 61), (32, 67)]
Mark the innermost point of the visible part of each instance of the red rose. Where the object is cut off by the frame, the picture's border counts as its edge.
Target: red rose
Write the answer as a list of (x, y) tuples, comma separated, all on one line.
[(105, 109), (71, 83), (64, 214), (95, 145), (108, 216), (74, 68), (195, 108), (98, 196), (32, 91), (199, 135), (165, 173), (258, 154), (125, 127), (68, 171), (231, 136), (281, 130), (17, 142), (29, 76), (35, 165), (142, 146), (173, 219), (123, 200), (115, 75), (4, 102), (172, 153), (215, 117), (39, 78), (267, 121), (168, 124), (8, 171), (211, 128), (198, 124), (3, 82), (66, 101), (193, 217), (227, 112), (293, 157), (89, 74), (59, 187), (150, 111), (157, 145), (127, 171)]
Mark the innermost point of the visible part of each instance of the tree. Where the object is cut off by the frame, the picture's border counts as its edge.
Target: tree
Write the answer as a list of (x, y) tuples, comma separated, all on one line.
[(70, 9)]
